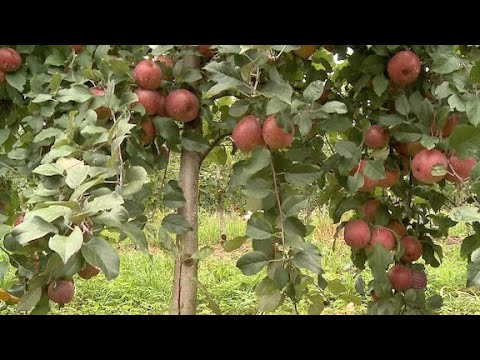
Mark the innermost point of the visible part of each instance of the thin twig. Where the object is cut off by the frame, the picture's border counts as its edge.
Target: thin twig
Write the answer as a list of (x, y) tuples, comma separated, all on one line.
[(279, 204), (120, 178)]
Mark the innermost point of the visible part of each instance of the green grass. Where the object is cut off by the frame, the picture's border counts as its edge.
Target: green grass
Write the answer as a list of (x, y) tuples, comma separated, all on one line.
[(143, 286)]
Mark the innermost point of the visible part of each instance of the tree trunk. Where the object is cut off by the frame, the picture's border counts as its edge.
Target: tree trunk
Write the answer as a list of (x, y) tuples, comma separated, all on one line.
[(184, 292), (220, 209)]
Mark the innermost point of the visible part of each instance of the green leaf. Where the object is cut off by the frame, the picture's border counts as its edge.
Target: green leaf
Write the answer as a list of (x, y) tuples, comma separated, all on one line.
[(17, 80), (380, 84), (77, 94), (100, 253), (434, 302), (473, 270), (308, 260), (457, 103), (379, 259), (373, 64), (135, 234), (269, 297), (50, 213), (469, 245), (355, 182), (66, 246), (3, 270), (258, 228), (294, 204), (402, 105), (103, 202), (251, 263), (212, 304), (167, 129), (48, 170), (445, 63), (301, 174), (240, 107), (348, 149), (46, 134), (275, 105), (30, 299), (467, 214), (135, 178), (406, 133), (225, 76), (257, 188), (202, 253), (173, 195), (374, 170), (390, 120), (32, 229), (465, 140), (334, 107), (473, 111), (193, 141), (260, 159), (317, 305), (235, 243), (443, 90), (336, 287), (281, 90), (176, 224), (76, 175), (336, 123), (313, 91)]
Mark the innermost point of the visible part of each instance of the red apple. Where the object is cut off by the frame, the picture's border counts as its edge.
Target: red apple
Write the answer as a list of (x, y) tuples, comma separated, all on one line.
[(306, 51), (400, 277), (368, 184), (88, 272), (77, 48), (447, 129), (419, 280), (403, 68), (103, 112), (151, 100), (384, 237), (459, 170), (10, 60), (247, 134), (357, 234), (377, 137), (397, 227), (148, 75), (205, 51), (369, 210), (61, 291), (274, 136), (182, 105), (391, 178), (423, 163), (413, 249), (148, 132)]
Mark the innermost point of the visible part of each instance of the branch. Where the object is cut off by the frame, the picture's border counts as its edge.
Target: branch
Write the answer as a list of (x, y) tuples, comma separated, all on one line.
[(213, 144)]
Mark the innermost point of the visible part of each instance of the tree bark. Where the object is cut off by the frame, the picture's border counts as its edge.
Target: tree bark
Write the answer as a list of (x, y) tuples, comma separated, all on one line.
[(184, 293)]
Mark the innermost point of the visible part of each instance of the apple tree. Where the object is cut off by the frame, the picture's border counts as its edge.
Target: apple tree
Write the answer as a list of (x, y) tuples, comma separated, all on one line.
[(381, 131)]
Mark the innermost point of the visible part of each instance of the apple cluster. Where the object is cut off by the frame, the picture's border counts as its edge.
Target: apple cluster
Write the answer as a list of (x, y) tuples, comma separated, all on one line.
[(61, 291), (249, 134), (427, 166), (180, 104)]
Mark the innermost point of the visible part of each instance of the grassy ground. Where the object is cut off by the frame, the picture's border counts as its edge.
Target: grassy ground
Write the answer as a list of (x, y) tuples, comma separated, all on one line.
[(143, 286)]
